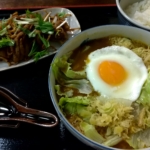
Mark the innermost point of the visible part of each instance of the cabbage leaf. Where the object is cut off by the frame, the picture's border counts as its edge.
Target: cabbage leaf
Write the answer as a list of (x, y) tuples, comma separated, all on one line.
[(61, 92), (64, 66), (77, 99), (91, 132), (144, 97), (76, 105), (69, 78), (112, 140), (82, 85), (140, 139)]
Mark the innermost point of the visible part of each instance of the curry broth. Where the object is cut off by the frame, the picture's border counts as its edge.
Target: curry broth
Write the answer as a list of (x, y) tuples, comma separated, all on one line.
[(81, 53)]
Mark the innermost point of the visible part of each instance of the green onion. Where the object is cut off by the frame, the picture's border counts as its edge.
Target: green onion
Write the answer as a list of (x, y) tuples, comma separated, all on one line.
[(4, 30), (62, 14), (44, 27), (6, 42), (44, 41), (40, 54), (33, 49)]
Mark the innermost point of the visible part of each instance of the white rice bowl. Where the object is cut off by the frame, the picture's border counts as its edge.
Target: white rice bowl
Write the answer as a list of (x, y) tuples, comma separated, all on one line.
[(134, 13), (140, 12)]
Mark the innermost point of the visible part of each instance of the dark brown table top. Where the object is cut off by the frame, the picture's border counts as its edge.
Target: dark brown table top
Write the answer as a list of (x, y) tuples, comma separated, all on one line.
[(28, 4)]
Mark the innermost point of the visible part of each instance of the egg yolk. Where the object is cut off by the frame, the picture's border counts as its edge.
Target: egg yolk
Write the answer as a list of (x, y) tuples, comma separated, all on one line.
[(112, 73)]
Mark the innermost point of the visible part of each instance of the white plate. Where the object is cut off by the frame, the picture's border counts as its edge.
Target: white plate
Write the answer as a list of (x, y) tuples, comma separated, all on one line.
[(73, 23)]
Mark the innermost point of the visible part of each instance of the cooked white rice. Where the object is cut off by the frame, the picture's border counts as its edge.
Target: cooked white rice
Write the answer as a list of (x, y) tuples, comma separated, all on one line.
[(140, 12)]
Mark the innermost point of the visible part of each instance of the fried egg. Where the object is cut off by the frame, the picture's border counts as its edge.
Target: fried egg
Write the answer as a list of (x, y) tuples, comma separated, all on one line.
[(116, 72)]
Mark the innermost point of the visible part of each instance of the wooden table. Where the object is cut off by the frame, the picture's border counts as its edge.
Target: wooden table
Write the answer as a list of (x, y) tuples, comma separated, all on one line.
[(37, 4)]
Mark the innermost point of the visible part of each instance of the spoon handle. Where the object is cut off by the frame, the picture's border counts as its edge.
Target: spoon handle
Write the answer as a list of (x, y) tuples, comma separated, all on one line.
[(21, 113)]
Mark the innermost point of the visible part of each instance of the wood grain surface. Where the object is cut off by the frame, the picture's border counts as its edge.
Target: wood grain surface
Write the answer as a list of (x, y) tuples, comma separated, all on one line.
[(28, 4)]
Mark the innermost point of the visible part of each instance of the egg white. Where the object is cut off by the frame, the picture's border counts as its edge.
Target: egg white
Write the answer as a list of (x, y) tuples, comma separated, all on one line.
[(133, 64)]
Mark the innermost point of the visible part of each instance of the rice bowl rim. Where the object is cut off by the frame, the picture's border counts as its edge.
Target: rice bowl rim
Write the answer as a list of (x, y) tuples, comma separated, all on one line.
[(51, 80), (128, 18)]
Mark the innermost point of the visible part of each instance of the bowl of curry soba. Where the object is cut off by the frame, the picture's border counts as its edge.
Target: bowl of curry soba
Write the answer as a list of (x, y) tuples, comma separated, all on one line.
[(99, 84)]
